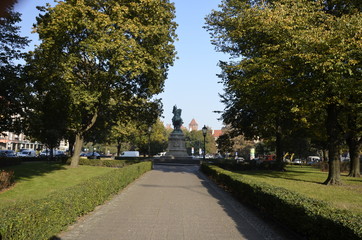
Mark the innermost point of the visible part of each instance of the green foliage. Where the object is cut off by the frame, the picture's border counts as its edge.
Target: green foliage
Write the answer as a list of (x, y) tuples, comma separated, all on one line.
[(108, 163), (107, 57), (311, 218), (44, 218), (297, 67), (12, 87), (195, 139), (233, 165)]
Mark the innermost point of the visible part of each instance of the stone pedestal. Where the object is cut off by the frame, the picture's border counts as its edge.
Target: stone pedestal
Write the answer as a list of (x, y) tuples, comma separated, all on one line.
[(176, 145)]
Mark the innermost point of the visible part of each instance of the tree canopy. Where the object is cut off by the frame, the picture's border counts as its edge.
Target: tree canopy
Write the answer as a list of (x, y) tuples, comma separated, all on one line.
[(12, 87), (106, 55), (297, 62)]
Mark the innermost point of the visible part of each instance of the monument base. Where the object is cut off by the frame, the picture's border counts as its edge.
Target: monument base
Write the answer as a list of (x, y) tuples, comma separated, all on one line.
[(176, 161), (176, 146)]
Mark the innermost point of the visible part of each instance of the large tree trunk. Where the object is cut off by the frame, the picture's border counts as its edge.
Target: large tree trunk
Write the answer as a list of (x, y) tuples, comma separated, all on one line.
[(77, 149), (325, 155), (354, 150), (79, 139), (279, 150), (118, 147), (333, 132), (354, 143), (71, 141)]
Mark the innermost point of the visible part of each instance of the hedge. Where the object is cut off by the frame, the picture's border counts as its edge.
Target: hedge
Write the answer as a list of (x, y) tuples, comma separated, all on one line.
[(44, 218), (106, 162), (311, 218)]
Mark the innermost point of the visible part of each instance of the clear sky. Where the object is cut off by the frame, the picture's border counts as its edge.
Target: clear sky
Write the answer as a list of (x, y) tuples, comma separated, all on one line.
[(192, 83)]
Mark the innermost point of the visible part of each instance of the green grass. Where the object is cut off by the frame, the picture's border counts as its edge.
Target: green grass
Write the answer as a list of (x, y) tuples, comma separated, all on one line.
[(37, 180), (308, 181)]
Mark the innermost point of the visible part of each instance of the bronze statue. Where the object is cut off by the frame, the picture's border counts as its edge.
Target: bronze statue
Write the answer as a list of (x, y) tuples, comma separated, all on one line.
[(176, 119)]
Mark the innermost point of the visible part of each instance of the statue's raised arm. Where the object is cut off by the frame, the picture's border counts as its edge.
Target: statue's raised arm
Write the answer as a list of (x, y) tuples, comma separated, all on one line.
[(176, 119)]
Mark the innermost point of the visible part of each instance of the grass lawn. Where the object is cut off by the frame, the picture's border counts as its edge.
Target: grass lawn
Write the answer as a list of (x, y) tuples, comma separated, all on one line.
[(308, 181), (37, 180)]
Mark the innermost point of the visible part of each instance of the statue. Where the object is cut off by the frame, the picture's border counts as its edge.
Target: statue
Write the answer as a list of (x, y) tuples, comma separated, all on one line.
[(176, 119), (176, 140)]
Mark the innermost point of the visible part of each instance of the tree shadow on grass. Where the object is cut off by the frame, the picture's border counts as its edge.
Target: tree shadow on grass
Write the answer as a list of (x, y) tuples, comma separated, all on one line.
[(28, 170), (288, 175)]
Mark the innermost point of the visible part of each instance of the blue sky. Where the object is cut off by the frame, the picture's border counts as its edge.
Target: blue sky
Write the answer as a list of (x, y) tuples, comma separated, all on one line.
[(192, 83)]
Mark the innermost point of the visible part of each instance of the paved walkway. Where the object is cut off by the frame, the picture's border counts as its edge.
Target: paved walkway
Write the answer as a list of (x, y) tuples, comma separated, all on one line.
[(172, 202)]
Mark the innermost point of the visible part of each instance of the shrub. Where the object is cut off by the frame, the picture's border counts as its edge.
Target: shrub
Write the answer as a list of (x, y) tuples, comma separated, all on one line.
[(6, 179), (106, 163), (233, 165), (44, 218), (312, 218)]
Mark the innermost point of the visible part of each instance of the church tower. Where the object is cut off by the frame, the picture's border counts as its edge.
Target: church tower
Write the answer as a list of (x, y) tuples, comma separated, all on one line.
[(193, 126)]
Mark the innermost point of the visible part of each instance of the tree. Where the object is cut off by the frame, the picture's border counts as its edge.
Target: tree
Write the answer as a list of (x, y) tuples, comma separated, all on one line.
[(109, 55), (289, 47), (153, 138), (225, 143), (195, 139), (47, 120), (353, 118), (12, 86), (258, 88), (5, 5)]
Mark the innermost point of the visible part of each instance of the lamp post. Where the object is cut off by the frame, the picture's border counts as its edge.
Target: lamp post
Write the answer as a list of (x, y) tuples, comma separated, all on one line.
[(149, 140), (204, 131)]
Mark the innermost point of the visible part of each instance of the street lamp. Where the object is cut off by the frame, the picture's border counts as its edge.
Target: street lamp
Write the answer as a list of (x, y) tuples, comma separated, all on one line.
[(149, 141), (204, 131)]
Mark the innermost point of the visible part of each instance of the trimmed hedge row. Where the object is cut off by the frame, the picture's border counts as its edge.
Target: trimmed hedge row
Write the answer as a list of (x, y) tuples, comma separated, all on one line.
[(105, 163), (311, 218), (44, 218)]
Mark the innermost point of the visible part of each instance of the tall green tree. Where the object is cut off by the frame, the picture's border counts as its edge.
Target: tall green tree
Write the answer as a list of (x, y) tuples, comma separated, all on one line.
[(291, 47), (152, 139), (107, 53), (195, 139), (12, 86)]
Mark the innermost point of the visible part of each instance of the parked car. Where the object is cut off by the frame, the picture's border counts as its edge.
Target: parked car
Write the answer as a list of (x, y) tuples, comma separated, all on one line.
[(130, 154), (59, 153), (297, 161), (239, 159), (7, 153), (161, 154), (27, 153), (46, 152), (83, 154), (56, 153), (256, 161), (93, 155)]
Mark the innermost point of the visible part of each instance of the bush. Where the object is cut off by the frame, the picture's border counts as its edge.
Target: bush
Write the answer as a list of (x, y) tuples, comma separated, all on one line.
[(44, 218), (233, 165), (6, 179), (106, 163), (312, 218), (132, 158), (62, 159)]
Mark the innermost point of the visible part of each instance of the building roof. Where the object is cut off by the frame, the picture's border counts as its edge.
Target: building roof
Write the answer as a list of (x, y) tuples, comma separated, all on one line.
[(193, 122), (216, 133)]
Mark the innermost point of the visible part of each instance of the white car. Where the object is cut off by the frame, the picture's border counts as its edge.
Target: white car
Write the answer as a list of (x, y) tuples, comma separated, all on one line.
[(55, 153), (27, 153), (297, 161)]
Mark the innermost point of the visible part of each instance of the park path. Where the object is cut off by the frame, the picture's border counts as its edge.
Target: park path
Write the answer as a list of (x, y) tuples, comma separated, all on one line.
[(172, 202)]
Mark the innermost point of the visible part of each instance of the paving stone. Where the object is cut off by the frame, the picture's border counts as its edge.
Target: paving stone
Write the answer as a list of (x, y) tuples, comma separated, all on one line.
[(171, 203)]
